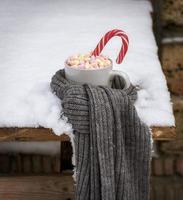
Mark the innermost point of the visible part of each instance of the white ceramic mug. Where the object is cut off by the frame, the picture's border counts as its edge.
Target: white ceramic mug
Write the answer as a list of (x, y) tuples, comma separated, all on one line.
[(101, 76)]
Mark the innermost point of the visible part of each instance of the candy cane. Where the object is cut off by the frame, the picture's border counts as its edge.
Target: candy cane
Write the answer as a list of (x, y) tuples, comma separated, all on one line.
[(107, 37)]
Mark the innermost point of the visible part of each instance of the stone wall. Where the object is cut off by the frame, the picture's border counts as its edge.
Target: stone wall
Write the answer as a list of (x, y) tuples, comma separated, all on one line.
[(172, 62), (172, 11), (167, 168)]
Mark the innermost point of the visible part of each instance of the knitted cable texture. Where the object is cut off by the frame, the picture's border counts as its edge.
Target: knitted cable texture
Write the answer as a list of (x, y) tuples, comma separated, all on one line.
[(112, 144)]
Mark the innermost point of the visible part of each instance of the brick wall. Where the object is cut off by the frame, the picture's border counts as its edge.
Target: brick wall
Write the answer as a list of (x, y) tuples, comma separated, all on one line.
[(167, 169), (172, 12)]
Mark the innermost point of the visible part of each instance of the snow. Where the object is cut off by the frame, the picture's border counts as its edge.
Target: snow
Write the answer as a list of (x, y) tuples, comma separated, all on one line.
[(168, 40), (38, 35)]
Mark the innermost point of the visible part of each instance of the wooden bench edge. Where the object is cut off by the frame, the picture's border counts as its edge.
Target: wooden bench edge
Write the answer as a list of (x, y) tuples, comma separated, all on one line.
[(45, 134)]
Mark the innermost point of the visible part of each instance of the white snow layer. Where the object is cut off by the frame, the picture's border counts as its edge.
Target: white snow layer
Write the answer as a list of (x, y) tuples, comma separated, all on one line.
[(169, 40), (37, 36)]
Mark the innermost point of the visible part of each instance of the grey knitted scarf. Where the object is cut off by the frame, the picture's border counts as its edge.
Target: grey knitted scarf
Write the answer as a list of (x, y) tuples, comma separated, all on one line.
[(112, 145)]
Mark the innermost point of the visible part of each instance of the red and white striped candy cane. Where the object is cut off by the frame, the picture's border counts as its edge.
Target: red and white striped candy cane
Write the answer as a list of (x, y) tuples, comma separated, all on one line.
[(107, 37)]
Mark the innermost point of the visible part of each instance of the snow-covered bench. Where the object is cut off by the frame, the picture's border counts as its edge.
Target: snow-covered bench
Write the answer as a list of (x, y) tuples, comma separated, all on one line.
[(36, 38), (35, 41)]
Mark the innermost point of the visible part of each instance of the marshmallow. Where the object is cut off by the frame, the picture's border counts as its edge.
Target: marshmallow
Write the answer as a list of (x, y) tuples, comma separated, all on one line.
[(88, 61)]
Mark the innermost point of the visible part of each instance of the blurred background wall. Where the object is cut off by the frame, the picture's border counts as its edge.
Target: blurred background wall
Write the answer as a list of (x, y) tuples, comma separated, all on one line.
[(167, 169)]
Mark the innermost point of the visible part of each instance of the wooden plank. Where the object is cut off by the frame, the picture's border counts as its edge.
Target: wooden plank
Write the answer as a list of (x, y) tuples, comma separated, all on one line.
[(66, 153), (37, 164), (27, 163), (44, 134), (56, 164), (31, 164), (4, 163), (46, 166), (30, 134), (37, 188), (164, 133)]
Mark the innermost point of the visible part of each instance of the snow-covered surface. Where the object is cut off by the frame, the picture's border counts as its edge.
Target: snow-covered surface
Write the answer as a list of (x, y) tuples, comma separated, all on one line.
[(37, 36)]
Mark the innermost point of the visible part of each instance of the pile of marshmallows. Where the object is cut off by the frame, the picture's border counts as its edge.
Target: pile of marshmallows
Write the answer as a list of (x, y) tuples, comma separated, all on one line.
[(88, 61)]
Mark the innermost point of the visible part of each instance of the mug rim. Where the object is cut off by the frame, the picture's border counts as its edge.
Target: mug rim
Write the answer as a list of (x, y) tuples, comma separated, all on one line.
[(70, 67)]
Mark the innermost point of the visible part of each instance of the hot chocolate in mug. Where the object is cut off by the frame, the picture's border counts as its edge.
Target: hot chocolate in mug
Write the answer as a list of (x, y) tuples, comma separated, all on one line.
[(99, 75), (102, 76)]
